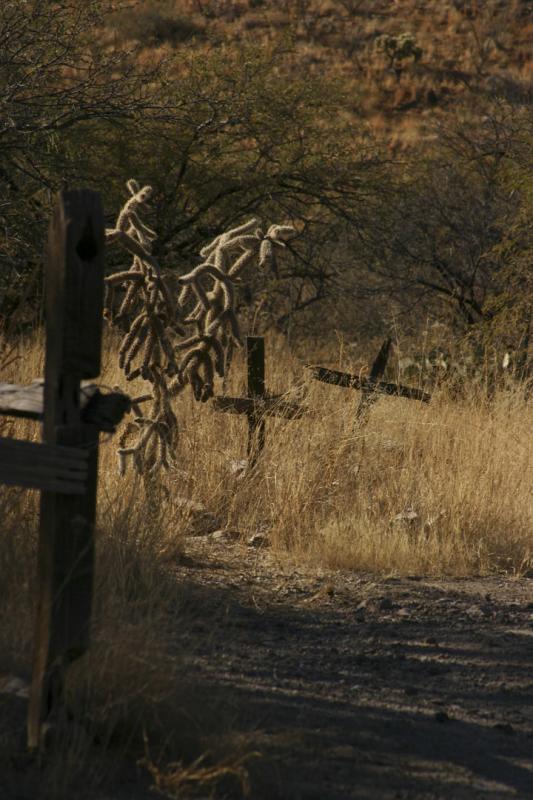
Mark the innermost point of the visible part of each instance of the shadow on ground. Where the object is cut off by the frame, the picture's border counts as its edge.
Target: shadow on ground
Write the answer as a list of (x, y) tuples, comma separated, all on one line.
[(395, 690), (347, 687)]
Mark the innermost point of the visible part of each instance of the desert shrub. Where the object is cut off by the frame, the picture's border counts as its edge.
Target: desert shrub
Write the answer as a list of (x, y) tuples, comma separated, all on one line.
[(398, 51), (453, 228), (221, 134), (56, 85), (156, 23)]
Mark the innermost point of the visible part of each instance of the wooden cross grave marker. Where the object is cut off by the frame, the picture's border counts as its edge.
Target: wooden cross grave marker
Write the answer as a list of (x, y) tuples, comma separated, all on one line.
[(64, 467), (372, 386), (258, 404)]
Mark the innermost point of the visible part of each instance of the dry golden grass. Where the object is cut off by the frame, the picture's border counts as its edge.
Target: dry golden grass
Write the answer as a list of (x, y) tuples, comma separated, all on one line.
[(325, 491), (330, 491)]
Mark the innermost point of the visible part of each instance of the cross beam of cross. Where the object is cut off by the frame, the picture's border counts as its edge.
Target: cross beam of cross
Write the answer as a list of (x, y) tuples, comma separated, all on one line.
[(258, 404), (371, 386)]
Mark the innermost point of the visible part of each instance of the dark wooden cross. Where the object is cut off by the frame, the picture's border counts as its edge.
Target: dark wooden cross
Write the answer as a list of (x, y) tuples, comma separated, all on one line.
[(64, 467), (258, 404), (372, 386)]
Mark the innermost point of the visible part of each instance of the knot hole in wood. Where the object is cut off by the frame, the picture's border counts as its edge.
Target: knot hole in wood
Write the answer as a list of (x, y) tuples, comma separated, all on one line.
[(87, 247)]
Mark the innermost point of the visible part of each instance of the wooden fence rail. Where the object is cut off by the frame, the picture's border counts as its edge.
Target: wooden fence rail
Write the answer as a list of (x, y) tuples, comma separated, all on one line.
[(45, 467)]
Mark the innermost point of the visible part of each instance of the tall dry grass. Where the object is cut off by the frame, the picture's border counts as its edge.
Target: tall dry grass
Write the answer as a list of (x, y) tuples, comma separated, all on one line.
[(444, 488), (340, 495), (334, 492)]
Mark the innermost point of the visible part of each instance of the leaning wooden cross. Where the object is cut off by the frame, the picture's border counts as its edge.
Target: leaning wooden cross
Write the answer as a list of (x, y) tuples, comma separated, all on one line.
[(372, 386), (258, 404), (64, 467)]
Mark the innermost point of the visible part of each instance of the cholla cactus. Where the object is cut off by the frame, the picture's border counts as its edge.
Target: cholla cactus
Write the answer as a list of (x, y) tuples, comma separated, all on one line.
[(212, 307), (172, 343), (150, 318), (398, 49)]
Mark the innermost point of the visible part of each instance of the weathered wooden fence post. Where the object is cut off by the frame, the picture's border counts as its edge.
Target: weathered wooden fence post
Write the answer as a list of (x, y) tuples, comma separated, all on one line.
[(74, 299), (255, 360)]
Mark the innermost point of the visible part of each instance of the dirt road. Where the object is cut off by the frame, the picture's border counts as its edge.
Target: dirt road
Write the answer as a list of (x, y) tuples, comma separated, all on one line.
[(356, 687), (347, 685)]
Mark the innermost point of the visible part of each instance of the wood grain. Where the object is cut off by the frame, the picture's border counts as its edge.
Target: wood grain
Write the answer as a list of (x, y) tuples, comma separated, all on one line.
[(74, 299), (345, 379)]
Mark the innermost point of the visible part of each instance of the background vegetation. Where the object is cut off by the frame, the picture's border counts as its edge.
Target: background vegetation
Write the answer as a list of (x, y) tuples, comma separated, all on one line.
[(396, 139)]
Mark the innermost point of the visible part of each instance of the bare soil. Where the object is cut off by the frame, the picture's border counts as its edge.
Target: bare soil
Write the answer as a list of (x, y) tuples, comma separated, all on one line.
[(351, 686)]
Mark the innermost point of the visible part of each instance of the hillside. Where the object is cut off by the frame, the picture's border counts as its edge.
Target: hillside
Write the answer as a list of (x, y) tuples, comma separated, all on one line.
[(393, 137), (399, 85)]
